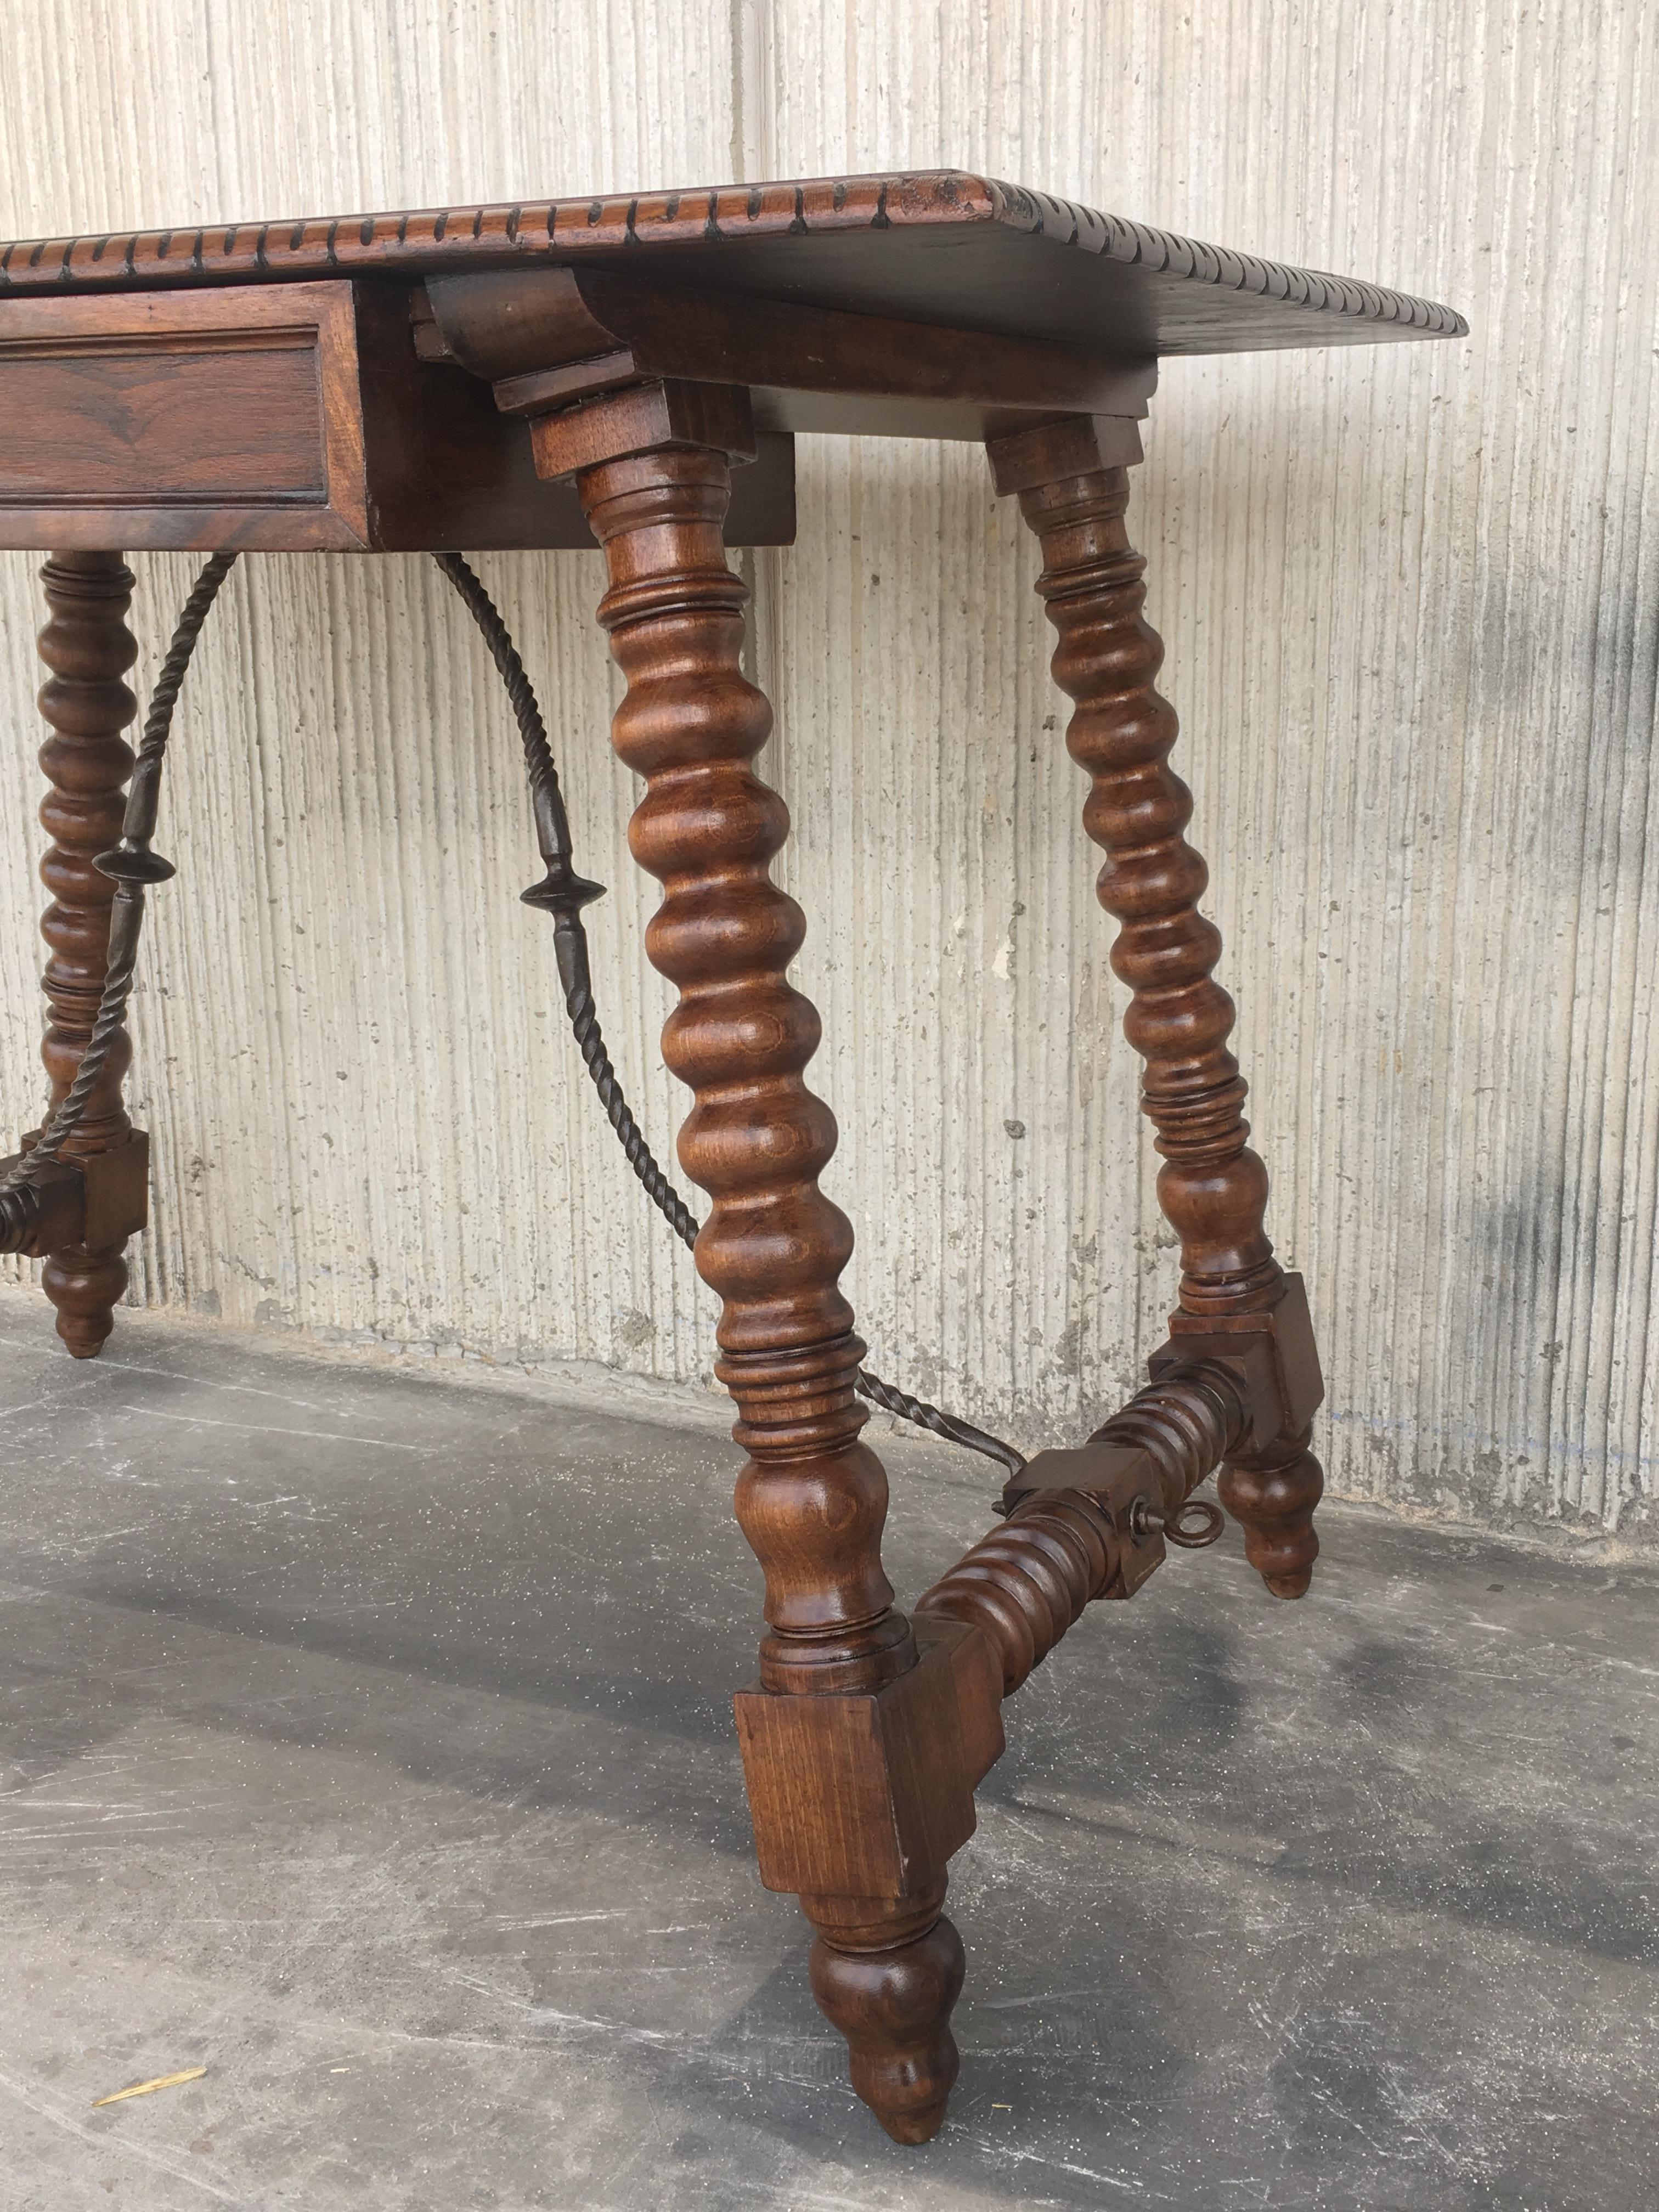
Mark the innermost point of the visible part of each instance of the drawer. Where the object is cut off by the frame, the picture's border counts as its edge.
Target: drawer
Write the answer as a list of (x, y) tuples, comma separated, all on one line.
[(280, 417)]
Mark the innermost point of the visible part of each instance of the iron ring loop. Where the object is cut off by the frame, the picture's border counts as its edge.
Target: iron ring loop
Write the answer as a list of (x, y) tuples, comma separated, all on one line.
[(1197, 1524)]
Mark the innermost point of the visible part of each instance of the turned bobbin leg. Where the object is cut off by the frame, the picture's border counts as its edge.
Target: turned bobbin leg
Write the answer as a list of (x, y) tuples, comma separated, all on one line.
[(88, 647), (847, 1711), (1236, 1302)]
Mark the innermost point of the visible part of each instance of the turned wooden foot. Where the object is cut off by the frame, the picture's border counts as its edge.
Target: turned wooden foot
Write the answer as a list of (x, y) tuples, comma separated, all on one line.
[(887, 1976), (86, 1287), (1274, 1500), (88, 647)]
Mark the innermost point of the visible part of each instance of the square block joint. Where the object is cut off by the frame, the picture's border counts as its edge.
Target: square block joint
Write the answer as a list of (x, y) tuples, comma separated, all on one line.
[(867, 1794), (1272, 1353), (1076, 446)]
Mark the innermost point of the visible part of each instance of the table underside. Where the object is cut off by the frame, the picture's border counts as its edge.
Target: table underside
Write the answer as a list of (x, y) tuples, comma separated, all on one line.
[(326, 384)]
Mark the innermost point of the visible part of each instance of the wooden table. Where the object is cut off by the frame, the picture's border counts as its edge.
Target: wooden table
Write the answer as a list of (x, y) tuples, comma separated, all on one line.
[(632, 370)]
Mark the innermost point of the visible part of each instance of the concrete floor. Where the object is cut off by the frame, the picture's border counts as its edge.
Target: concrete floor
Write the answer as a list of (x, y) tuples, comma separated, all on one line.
[(364, 1738)]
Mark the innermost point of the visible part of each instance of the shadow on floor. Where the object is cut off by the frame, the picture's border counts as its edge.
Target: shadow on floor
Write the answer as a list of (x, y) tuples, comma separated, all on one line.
[(367, 1739)]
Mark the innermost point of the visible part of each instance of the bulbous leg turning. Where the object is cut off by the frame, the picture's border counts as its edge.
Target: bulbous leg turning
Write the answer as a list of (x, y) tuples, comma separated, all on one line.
[(88, 648), (1212, 1188), (887, 1976), (86, 1287), (832, 1719), (1275, 1501)]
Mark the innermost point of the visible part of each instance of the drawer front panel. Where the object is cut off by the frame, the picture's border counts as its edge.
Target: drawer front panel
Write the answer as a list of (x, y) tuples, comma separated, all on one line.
[(224, 417), (163, 420)]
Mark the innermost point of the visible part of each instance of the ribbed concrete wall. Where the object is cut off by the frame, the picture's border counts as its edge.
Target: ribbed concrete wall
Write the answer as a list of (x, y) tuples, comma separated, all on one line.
[(1413, 614)]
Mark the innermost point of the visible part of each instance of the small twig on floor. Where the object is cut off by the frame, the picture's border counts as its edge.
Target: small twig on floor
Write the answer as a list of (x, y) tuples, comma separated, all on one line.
[(143, 2088)]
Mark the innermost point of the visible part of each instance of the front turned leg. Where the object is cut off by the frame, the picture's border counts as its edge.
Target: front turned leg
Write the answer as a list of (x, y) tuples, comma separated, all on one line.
[(856, 1798), (88, 648), (1237, 1303)]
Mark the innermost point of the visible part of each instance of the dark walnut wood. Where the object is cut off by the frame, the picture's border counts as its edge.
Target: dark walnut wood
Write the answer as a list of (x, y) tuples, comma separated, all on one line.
[(1213, 1188), (1028, 1582), (95, 1198), (935, 245), (812, 1497), (546, 337), (1088, 1522), (238, 406), (297, 385), (88, 647), (629, 371), (293, 417)]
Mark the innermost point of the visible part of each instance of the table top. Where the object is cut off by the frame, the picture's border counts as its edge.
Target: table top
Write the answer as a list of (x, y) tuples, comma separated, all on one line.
[(937, 247)]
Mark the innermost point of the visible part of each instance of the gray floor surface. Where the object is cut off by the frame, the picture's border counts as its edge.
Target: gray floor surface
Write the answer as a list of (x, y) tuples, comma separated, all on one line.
[(364, 1738)]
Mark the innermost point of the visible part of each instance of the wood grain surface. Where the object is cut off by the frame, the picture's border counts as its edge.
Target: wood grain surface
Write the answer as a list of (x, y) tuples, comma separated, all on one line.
[(280, 418)]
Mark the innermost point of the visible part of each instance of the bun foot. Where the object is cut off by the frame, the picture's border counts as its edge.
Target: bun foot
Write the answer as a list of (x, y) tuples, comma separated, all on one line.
[(887, 1976), (1275, 1505), (86, 1287)]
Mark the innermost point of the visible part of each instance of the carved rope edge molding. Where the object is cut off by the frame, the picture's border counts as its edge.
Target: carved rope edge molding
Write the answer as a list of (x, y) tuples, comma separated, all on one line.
[(433, 239)]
